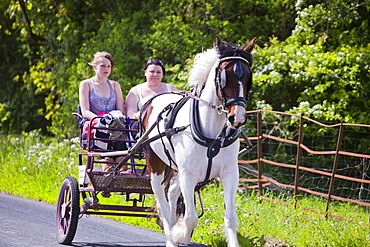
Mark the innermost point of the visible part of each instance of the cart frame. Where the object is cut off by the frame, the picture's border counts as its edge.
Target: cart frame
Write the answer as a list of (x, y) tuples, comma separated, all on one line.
[(82, 197)]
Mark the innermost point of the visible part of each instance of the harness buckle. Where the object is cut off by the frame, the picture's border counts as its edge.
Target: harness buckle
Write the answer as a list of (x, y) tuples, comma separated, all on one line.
[(221, 109)]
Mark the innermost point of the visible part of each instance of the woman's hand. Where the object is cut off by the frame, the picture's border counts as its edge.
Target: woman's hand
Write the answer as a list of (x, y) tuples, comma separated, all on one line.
[(136, 115)]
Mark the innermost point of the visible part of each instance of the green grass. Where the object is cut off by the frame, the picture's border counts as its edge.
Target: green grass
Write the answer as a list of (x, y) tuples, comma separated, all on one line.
[(33, 166)]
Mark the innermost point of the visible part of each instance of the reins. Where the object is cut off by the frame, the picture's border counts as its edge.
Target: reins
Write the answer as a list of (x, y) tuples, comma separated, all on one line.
[(220, 108)]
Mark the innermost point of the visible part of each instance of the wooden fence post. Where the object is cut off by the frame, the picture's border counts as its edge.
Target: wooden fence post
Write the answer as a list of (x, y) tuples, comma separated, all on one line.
[(259, 150), (298, 160), (334, 169)]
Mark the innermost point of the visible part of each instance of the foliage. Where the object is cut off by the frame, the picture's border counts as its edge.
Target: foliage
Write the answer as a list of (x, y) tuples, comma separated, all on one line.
[(314, 53), (327, 85), (34, 166), (340, 22)]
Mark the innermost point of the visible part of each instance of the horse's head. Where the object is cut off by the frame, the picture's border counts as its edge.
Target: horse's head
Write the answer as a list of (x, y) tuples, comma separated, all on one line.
[(234, 79)]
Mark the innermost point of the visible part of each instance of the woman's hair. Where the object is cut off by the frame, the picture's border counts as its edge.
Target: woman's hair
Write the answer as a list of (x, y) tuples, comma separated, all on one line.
[(102, 54), (155, 61)]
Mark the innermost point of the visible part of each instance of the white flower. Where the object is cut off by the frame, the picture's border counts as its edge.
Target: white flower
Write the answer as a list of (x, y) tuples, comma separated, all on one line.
[(75, 140)]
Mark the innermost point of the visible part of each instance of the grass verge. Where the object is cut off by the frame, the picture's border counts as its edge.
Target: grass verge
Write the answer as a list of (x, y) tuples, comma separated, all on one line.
[(34, 166)]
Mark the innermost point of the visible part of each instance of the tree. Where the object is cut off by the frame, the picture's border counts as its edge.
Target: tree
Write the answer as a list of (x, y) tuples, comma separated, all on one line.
[(311, 75), (47, 45)]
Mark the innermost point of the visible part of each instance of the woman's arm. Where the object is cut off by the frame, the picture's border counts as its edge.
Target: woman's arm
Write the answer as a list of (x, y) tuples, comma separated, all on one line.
[(120, 105), (84, 94), (131, 102)]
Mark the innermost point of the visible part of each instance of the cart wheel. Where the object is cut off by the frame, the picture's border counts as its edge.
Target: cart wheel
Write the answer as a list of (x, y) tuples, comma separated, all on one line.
[(68, 210)]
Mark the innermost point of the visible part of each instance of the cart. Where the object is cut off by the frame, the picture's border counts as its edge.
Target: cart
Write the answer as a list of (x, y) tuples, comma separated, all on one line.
[(82, 197)]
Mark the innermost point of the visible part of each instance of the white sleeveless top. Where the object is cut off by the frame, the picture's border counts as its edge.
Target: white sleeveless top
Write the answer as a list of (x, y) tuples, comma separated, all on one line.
[(143, 100)]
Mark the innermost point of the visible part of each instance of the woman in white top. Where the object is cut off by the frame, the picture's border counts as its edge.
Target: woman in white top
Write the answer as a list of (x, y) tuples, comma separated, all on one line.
[(138, 95)]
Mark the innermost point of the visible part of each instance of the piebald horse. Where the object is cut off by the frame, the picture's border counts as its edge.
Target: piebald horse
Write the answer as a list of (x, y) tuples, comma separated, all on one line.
[(196, 138)]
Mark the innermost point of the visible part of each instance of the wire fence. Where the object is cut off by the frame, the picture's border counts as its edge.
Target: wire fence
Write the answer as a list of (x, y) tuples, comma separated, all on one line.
[(293, 154)]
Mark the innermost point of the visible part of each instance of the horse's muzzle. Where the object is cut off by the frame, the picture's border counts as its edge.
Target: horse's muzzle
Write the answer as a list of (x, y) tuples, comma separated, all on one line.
[(237, 118)]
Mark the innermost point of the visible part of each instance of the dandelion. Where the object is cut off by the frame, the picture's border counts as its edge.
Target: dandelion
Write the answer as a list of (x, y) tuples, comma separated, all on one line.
[(24, 168)]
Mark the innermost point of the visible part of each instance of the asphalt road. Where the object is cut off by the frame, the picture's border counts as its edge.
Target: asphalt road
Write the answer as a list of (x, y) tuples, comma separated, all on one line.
[(25, 222)]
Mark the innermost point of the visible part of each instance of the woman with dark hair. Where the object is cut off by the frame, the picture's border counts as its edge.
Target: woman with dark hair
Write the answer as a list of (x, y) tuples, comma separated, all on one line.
[(154, 72)]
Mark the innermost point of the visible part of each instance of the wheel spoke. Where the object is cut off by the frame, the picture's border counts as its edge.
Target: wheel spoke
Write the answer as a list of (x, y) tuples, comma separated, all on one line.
[(66, 202)]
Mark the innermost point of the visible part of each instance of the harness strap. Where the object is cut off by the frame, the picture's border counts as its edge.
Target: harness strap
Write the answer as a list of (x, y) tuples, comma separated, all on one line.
[(212, 151), (235, 58), (136, 146), (219, 108), (226, 137), (168, 133), (171, 115), (232, 134)]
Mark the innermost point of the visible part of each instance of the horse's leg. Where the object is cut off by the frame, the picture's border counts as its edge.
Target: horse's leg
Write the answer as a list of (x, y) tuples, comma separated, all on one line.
[(157, 174), (230, 182), (162, 207), (181, 231), (173, 196)]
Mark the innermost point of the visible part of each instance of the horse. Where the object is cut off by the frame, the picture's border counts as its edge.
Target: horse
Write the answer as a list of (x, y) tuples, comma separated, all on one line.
[(192, 138)]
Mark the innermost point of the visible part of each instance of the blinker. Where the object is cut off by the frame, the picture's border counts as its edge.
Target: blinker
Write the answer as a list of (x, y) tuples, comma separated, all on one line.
[(238, 70), (223, 78)]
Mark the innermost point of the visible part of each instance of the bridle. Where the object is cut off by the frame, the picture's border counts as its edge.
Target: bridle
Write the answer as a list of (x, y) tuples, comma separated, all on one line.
[(221, 81)]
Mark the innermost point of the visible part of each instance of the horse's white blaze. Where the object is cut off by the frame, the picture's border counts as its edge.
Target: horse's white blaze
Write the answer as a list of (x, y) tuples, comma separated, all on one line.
[(241, 89)]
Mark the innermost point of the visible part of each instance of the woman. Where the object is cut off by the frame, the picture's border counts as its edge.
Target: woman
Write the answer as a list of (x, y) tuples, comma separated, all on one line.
[(99, 95), (154, 72)]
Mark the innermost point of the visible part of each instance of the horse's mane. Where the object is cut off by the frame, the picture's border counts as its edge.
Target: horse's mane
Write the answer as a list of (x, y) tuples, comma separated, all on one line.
[(204, 61)]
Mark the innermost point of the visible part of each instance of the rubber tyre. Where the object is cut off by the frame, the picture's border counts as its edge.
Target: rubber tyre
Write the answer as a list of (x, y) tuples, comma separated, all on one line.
[(68, 210)]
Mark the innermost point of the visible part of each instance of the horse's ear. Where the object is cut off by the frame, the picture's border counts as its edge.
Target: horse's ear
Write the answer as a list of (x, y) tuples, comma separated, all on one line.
[(218, 41), (249, 47)]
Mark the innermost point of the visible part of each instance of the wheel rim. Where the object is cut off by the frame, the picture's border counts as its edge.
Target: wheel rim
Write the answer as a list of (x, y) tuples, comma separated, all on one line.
[(68, 210), (65, 209)]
